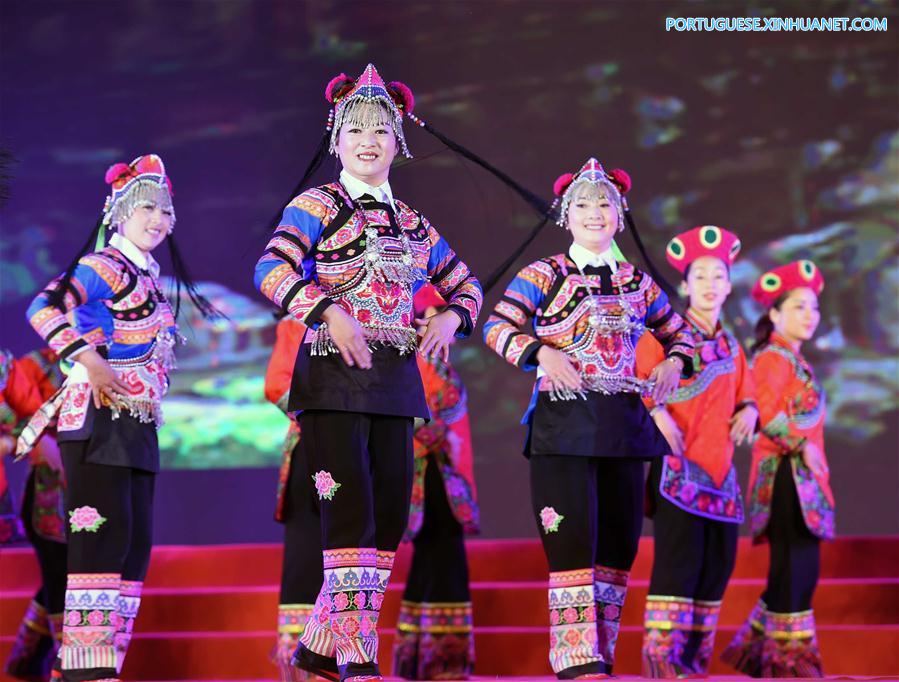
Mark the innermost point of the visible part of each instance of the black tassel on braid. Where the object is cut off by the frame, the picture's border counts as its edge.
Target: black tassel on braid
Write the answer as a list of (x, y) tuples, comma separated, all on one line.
[(184, 281), (321, 153), (653, 270), (56, 293), (7, 161)]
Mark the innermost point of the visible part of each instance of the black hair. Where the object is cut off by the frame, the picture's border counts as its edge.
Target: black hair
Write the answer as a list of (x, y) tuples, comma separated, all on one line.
[(764, 327)]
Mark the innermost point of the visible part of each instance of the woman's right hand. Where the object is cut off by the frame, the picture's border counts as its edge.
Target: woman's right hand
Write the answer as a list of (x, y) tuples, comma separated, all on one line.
[(105, 383), (560, 368), (348, 337), (669, 428), (813, 458)]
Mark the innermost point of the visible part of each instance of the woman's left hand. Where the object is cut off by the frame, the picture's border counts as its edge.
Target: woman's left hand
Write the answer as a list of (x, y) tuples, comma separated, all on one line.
[(742, 424), (666, 376), (437, 333)]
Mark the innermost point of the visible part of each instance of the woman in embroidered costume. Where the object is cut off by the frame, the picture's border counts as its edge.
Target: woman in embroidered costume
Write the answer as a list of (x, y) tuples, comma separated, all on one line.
[(588, 431), (346, 260), (434, 639), (790, 501), (694, 493), (296, 507), (121, 346), (25, 383)]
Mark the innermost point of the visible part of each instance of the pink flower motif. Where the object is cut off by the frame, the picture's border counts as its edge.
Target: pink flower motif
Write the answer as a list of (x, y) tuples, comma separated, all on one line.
[(363, 315), (85, 519), (341, 601), (359, 600), (350, 626), (376, 600), (569, 615), (73, 619), (550, 520), (589, 614), (611, 612), (95, 618), (325, 485), (554, 617), (688, 492)]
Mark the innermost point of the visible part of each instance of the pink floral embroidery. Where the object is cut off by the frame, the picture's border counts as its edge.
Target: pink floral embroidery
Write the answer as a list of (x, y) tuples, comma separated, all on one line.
[(376, 600), (550, 519), (95, 618), (85, 518), (589, 614), (359, 600), (569, 615), (325, 485), (341, 601), (73, 618)]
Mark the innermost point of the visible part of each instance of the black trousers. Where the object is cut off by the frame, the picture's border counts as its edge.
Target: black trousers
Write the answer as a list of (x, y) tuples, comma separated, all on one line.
[(601, 500), (51, 557), (301, 570), (694, 556), (795, 554), (124, 497), (439, 570), (370, 457)]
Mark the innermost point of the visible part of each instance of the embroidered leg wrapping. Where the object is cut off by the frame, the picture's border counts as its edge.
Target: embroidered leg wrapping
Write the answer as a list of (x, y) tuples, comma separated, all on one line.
[(90, 624), (744, 653), (316, 635), (446, 649), (33, 650), (356, 579), (291, 622), (405, 645), (127, 606), (701, 641), (668, 622), (572, 623), (610, 590), (791, 646)]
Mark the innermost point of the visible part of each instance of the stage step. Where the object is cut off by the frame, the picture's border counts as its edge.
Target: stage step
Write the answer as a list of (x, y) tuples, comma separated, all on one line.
[(838, 601), (489, 561), (507, 651)]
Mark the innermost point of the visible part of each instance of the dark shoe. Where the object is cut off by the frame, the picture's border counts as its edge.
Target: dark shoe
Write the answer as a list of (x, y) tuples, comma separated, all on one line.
[(311, 662)]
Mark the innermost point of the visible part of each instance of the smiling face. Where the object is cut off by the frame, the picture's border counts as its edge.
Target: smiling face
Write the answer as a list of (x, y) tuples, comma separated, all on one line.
[(366, 145), (798, 316), (148, 225), (707, 284), (593, 218)]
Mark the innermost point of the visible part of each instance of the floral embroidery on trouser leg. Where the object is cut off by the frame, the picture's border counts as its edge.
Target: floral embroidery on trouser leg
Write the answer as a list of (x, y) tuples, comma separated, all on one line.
[(572, 619), (316, 635), (705, 624), (550, 520), (33, 650), (325, 486), (611, 589), (353, 581), (127, 607), (446, 648), (90, 622), (667, 622), (291, 622), (744, 653), (85, 519), (791, 646)]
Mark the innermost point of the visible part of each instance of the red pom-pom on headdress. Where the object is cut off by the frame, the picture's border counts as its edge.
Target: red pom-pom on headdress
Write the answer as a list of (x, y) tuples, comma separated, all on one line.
[(621, 179), (116, 171), (403, 93), (336, 85), (562, 183)]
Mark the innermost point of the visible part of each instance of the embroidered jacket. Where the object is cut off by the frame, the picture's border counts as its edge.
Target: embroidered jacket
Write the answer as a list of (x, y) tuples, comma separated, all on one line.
[(791, 412), (447, 438), (289, 336), (704, 481), (25, 383), (553, 298), (118, 308), (366, 258)]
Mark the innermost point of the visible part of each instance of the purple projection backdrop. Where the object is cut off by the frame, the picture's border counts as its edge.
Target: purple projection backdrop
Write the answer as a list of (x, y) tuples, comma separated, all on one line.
[(789, 139)]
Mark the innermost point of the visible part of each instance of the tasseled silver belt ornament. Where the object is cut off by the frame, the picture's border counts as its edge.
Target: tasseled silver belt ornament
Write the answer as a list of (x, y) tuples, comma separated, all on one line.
[(605, 384)]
